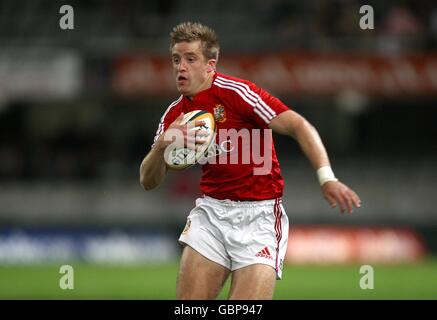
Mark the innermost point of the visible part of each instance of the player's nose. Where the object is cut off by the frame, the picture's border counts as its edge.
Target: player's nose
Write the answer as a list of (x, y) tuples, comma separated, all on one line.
[(182, 66)]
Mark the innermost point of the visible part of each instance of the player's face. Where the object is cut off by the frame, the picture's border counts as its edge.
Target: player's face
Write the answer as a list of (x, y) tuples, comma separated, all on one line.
[(191, 69)]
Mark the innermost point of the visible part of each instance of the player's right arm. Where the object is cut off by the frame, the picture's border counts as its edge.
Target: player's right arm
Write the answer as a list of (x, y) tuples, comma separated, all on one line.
[(153, 167)]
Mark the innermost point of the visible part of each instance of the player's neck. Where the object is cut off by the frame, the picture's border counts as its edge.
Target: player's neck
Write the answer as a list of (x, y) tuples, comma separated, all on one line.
[(205, 85)]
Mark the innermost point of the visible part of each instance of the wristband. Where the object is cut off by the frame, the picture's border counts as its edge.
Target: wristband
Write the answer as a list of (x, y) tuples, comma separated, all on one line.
[(325, 174)]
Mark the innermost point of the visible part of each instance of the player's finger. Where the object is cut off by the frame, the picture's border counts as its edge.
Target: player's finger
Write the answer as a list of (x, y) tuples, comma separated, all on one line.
[(341, 202), (199, 123), (190, 141), (200, 140), (201, 133), (331, 200), (356, 200), (348, 199), (180, 117)]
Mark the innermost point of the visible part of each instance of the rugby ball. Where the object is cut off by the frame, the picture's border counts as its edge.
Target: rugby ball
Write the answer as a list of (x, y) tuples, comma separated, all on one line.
[(179, 158)]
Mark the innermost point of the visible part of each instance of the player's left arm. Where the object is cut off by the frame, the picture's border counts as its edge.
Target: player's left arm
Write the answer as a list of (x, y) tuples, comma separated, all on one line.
[(335, 192)]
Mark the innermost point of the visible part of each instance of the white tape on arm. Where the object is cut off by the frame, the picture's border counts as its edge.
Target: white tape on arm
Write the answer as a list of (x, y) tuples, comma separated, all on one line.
[(325, 174)]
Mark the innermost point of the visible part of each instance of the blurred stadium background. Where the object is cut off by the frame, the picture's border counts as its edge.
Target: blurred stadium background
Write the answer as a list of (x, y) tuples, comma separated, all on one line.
[(79, 109)]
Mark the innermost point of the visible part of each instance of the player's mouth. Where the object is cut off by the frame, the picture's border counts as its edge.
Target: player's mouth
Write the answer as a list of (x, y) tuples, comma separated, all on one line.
[(181, 79)]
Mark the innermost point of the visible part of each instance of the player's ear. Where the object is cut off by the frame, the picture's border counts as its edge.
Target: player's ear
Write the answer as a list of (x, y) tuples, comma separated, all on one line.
[(211, 65)]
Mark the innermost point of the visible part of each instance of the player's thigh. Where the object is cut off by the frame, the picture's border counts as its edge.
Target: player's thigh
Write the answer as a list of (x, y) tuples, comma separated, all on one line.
[(199, 277), (256, 281)]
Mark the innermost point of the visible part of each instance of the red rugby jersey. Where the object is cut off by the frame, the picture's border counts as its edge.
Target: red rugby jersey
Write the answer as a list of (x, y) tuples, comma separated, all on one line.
[(240, 105)]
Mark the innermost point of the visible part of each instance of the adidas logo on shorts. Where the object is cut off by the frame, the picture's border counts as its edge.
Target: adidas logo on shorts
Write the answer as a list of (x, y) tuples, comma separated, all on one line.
[(264, 253)]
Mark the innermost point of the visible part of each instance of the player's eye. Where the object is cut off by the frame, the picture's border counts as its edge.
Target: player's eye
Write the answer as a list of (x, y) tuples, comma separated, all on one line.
[(176, 60)]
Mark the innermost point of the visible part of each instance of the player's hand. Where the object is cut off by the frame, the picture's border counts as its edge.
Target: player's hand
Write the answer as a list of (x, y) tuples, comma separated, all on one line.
[(338, 194), (192, 138)]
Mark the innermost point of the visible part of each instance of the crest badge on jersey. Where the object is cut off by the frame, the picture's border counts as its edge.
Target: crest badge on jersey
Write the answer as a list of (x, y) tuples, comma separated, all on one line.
[(219, 113)]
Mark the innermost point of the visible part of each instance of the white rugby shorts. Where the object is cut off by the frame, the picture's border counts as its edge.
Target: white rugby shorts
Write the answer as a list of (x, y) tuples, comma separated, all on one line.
[(236, 234)]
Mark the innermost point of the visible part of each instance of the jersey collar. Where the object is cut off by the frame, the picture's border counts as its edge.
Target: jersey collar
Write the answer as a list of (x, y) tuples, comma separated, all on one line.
[(202, 93)]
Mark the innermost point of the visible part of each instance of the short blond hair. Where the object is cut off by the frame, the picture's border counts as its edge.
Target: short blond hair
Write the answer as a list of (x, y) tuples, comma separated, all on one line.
[(193, 31)]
